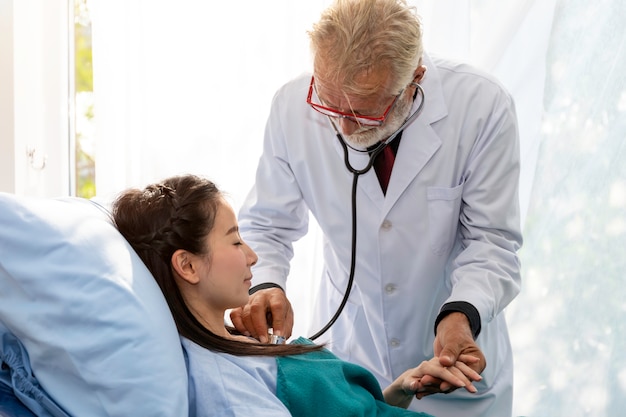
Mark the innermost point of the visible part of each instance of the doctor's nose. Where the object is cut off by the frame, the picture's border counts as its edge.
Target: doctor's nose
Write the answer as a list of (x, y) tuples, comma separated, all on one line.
[(348, 126)]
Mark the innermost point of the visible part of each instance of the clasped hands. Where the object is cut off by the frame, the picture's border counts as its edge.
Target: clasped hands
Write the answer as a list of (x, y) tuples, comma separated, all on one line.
[(455, 350), (457, 362)]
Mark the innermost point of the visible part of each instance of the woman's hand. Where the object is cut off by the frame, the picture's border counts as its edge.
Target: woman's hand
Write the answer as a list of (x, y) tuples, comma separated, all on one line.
[(453, 342), (408, 385)]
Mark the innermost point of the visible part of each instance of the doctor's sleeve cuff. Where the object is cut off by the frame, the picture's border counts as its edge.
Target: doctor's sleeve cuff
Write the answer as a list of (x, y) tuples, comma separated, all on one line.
[(264, 286), (466, 308)]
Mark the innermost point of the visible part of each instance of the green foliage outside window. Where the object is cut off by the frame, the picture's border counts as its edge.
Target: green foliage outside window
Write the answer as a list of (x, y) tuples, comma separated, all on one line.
[(83, 85)]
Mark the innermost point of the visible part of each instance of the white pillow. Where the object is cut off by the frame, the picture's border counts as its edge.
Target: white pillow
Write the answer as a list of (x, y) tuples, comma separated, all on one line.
[(99, 334)]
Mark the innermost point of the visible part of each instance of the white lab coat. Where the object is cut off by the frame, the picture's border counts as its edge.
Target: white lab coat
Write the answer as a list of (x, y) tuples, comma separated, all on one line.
[(447, 230)]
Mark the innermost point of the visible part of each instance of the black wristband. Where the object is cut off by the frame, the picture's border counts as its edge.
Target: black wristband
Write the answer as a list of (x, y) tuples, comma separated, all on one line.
[(263, 286), (466, 308)]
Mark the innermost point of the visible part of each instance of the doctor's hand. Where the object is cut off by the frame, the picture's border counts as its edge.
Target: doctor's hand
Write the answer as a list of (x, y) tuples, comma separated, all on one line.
[(454, 338), (266, 308), (401, 391)]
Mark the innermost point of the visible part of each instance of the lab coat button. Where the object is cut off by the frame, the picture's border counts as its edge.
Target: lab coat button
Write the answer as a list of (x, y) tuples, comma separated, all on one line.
[(390, 288), (386, 225), (394, 343)]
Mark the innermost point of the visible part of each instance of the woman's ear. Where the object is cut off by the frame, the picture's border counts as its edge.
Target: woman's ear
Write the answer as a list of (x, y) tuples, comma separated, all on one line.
[(184, 267)]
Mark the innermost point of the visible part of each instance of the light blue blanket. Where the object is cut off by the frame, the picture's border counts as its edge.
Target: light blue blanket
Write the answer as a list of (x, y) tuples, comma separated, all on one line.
[(16, 375)]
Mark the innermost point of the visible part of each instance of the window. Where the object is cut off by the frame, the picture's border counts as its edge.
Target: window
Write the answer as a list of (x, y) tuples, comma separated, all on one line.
[(84, 140)]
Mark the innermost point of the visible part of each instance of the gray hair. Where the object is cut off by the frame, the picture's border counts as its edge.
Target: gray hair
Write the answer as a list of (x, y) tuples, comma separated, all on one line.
[(356, 37)]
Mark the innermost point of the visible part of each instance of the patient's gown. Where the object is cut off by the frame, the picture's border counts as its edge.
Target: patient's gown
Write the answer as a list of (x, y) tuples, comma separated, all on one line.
[(312, 384)]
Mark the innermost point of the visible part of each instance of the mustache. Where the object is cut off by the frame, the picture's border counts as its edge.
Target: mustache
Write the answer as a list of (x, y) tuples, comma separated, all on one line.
[(366, 136)]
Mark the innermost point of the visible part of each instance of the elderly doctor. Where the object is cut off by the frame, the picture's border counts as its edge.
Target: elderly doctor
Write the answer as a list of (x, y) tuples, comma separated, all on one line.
[(436, 260)]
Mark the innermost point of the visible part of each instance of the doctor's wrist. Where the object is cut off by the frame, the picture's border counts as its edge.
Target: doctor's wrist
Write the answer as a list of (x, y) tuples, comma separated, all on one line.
[(472, 314), (264, 286)]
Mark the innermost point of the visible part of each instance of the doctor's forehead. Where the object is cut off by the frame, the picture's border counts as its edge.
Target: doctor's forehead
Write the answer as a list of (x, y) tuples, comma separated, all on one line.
[(364, 84), (368, 87)]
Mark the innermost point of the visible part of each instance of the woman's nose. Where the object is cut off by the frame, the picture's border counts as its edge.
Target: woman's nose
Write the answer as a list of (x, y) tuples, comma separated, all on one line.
[(252, 256)]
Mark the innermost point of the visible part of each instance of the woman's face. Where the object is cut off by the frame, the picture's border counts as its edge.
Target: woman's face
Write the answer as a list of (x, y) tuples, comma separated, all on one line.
[(226, 275)]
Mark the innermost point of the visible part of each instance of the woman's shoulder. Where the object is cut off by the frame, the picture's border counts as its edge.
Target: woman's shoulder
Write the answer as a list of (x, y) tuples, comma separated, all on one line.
[(202, 363), (240, 384)]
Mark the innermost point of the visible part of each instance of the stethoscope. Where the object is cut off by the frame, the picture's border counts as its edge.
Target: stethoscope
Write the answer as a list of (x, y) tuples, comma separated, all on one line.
[(356, 173)]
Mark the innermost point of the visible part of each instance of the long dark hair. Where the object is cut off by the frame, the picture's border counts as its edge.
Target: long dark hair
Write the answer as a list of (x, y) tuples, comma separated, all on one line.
[(178, 213)]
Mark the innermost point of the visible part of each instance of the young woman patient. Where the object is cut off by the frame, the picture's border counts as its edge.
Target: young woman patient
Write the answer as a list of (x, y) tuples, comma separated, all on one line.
[(186, 233)]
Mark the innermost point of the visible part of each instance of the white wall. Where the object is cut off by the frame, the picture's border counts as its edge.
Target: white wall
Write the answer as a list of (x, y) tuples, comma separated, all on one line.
[(7, 160), (34, 97)]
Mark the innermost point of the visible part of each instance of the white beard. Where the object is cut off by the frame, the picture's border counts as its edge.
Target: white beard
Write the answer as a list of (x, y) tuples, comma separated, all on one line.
[(365, 136)]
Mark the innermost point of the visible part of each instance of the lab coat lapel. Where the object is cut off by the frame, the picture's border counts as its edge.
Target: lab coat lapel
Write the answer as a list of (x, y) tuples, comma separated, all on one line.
[(368, 182), (419, 141)]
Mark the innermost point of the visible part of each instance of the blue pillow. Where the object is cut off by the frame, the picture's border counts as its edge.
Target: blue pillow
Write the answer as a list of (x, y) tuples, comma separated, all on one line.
[(98, 332)]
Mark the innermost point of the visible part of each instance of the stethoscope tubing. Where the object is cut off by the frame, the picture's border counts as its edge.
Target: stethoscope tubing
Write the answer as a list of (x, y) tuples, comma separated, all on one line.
[(382, 145), (356, 173)]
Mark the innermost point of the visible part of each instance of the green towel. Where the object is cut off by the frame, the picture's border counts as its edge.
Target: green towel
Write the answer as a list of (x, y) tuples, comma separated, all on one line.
[(320, 384)]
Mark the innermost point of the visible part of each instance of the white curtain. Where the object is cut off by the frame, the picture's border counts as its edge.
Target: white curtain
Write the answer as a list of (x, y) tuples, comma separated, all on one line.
[(186, 87)]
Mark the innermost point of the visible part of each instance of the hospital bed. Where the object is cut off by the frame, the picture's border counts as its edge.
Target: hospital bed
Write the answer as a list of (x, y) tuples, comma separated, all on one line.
[(84, 329)]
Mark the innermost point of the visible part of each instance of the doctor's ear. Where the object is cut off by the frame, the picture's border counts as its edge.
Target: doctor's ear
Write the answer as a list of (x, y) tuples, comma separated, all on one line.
[(183, 264), (419, 73)]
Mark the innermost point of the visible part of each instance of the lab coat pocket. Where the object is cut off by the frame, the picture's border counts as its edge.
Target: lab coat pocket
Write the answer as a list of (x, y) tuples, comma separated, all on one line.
[(444, 205)]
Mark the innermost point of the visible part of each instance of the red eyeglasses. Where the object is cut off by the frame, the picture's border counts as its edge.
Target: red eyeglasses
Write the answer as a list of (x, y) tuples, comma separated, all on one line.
[(356, 118)]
